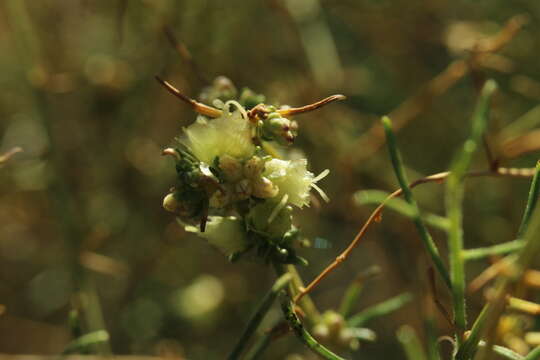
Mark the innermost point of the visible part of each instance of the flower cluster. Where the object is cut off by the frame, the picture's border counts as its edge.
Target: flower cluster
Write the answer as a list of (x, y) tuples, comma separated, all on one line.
[(231, 188)]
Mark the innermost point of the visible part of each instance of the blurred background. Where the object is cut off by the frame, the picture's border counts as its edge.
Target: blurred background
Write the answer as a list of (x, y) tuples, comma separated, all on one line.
[(84, 242)]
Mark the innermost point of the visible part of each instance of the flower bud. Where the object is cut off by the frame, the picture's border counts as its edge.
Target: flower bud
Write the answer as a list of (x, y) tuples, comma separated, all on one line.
[(264, 188), (170, 203), (231, 168), (263, 219), (254, 167), (321, 332), (220, 199), (334, 321), (243, 189)]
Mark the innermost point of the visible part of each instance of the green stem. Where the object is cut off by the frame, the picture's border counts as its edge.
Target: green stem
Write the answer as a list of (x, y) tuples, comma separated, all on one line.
[(312, 313), (84, 342), (303, 334), (503, 351), (259, 314), (499, 249), (533, 355), (412, 346), (468, 347), (380, 309), (531, 204), (454, 200), (260, 346), (431, 338), (262, 343), (417, 219), (355, 289), (296, 325), (399, 205)]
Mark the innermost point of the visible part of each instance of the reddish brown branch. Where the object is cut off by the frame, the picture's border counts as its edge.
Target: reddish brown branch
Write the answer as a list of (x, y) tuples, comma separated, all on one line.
[(438, 178)]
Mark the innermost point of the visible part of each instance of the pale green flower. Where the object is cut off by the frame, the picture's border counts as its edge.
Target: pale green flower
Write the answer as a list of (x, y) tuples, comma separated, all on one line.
[(229, 134), (225, 233), (294, 180)]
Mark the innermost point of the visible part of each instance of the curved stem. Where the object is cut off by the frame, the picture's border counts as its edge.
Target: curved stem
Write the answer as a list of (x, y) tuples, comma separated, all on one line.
[(287, 306), (259, 314), (397, 163), (303, 334)]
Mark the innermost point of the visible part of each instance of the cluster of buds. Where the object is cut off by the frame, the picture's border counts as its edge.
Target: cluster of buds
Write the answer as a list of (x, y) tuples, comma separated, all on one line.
[(230, 189)]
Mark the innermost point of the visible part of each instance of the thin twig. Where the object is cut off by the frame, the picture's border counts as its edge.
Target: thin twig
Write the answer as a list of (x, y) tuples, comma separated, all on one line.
[(197, 106), (489, 273), (287, 306), (184, 53), (434, 294), (311, 107), (437, 178)]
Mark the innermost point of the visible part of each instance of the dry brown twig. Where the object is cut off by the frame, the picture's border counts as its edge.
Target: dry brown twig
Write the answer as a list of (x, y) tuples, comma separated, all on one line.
[(435, 297), (185, 54), (258, 112), (374, 138)]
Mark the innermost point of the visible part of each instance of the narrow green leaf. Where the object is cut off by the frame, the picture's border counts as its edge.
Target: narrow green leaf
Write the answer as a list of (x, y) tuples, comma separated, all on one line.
[(380, 309), (82, 343), (365, 197), (412, 346), (454, 200), (397, 163), (499, 249), (531, 202)]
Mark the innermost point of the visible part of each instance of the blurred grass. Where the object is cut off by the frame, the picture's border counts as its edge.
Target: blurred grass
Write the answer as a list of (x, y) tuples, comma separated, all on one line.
[(80, 208)]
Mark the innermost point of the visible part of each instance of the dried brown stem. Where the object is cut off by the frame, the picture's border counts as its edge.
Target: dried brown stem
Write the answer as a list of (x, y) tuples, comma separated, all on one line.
[(197, 106), (497, 42), (487, 275), (438, 178), (438, 303), (374, 138), (184, 53), (311, 107)]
